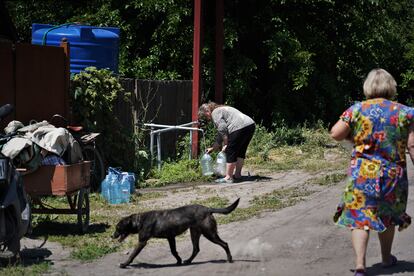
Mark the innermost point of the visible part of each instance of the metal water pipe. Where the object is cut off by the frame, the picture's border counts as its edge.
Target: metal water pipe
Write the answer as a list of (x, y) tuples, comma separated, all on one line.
[(166, 128)]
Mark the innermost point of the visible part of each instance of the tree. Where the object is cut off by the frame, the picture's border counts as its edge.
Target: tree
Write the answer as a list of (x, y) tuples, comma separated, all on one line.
[(291, 61)]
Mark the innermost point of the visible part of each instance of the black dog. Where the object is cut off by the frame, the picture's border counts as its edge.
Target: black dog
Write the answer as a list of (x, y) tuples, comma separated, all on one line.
[(170, 223)]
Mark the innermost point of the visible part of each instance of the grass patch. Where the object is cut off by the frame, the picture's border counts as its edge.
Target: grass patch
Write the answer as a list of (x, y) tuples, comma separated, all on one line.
[(275, 200), (92, 251), (299, 148), (303, 157), (214, 201), (328, 180), (32, 270), (176, 172), (150, 196)]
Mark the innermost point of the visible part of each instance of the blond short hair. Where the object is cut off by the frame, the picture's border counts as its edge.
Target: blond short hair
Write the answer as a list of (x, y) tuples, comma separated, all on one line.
[(380, 84)]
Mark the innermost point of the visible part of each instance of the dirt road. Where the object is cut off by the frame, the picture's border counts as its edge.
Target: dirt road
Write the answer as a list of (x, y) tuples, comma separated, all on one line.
[(298, 240)]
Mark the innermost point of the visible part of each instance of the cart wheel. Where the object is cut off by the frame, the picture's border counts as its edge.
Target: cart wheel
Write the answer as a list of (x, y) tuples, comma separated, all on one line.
[(91, 153), (83, 209)]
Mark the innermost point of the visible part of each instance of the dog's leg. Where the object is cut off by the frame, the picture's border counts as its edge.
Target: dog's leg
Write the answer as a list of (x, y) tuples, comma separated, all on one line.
[(214, 237), (134, 253), (171, 241), (195, 239)]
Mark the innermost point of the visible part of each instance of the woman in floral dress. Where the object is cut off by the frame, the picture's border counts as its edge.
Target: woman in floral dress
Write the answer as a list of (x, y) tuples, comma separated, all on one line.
[(375, 196)]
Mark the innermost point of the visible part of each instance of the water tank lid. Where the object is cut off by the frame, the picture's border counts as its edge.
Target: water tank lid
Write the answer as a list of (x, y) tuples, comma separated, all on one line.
[(75, 32)]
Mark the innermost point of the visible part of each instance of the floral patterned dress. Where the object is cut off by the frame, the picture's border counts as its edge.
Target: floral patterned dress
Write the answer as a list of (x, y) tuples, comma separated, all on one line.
[(376, 192)]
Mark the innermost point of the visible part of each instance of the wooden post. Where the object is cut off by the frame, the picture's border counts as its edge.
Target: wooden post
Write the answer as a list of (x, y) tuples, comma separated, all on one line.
[(196, 72), (219, 51), (66, 50)]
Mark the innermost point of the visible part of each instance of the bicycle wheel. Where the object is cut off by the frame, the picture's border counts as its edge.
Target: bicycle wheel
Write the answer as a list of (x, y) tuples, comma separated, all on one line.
[(91, 153)]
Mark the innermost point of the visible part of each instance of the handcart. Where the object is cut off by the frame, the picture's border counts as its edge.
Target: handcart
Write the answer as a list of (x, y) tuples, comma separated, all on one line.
[(71, 181)]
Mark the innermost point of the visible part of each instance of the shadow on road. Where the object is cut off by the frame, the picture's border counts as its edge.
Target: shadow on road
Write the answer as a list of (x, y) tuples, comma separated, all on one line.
[(401, 267), (149, 266), (64, 229), (253, 178), (31, 256)]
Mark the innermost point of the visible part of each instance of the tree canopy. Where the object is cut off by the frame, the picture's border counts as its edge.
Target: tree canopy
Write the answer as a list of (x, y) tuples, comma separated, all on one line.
[(291, 61)]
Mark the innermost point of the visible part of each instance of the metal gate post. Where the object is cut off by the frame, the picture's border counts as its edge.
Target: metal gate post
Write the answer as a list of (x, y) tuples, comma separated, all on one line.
[(159, 150), (152, 146), (191, 145)]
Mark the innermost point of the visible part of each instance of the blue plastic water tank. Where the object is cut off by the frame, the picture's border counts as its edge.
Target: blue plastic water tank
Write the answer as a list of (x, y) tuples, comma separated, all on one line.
[(89, 45)]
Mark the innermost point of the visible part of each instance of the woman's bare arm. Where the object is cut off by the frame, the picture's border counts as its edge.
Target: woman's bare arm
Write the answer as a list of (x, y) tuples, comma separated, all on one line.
[(410, 142), (340, 131)]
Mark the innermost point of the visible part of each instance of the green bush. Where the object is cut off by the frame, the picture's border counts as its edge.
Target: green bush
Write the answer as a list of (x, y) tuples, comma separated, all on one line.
[(175, 172), (94, 95), (287, 136), (261, 143), (317, 136), (206, 139)]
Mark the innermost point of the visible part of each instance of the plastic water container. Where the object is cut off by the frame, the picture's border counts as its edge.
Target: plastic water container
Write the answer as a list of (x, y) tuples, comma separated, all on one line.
[(117, 186), (89, 45), (131, 179), (124, 188), (206, 164), (115, 191), (221, 164), (105, 188)]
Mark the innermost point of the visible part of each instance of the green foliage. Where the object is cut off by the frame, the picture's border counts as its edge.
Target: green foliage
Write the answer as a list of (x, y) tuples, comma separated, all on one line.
[(92, 251), (316, 136), (94, 94), (284, 135), (176, 172), (328, 180), (286, 62), (301, 147), (292, 60), (264, 141), (36, 269), (206, 138), (215, 201), (261, 143)]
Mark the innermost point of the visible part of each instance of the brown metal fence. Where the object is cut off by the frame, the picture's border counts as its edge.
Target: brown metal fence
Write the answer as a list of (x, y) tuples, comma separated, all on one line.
[(35, 80), (6, 77)]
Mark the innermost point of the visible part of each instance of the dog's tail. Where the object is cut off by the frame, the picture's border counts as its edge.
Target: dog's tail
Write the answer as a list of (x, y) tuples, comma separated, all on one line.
[(226, 210)]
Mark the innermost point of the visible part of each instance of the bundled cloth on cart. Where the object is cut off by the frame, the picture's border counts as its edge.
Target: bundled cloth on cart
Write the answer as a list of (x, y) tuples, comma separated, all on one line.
[(40, 144)]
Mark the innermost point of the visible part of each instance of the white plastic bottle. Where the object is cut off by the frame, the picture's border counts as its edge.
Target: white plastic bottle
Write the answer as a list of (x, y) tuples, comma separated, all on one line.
[(221, 161), (206, 164)]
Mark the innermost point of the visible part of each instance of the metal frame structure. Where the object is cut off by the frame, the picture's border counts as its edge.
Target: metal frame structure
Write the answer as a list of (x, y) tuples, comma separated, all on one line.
[(166, 128)]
